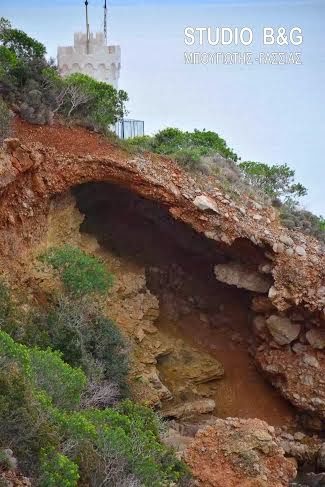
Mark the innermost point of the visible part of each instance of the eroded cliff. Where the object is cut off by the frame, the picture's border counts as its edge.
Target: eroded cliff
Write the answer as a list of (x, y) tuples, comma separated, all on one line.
[(198, 249)]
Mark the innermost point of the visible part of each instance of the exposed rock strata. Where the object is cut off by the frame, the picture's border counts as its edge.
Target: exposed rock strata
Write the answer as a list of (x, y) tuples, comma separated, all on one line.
[(298, 376), (33, 173), (50, 160), (133, 307)]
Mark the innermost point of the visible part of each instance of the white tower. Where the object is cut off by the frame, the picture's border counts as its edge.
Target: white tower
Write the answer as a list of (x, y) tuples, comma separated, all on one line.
[(92, 57)]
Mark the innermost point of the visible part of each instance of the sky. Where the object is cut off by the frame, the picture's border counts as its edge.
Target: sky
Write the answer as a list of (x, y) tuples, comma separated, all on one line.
[(267, 113)]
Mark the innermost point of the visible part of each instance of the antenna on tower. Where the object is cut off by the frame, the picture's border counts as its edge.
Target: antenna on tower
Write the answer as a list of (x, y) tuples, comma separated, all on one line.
[(105, 22), (87, 26)]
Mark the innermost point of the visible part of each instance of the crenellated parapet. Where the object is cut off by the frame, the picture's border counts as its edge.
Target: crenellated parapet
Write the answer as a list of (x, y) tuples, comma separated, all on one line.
[(96, 59)]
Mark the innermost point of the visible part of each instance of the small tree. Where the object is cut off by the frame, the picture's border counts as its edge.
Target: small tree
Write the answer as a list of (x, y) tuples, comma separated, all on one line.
[(75, 96), (20, 43), (99, 103), (277, 180)]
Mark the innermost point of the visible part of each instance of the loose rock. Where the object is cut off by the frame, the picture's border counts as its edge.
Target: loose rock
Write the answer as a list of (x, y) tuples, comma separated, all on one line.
[(282, 330), (316, 338)]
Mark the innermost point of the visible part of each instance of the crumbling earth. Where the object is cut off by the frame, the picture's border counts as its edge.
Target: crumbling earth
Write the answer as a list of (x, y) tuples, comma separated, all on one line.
[(237, 452), (48, 173)]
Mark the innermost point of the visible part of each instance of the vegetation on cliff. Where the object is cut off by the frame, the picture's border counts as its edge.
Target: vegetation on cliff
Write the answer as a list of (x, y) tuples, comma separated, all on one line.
[(185, 147), (62, 382), (58, 442), (206, 152)]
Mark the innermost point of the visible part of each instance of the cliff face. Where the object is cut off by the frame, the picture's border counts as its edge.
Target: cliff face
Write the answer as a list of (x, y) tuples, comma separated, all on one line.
[(282, 272)]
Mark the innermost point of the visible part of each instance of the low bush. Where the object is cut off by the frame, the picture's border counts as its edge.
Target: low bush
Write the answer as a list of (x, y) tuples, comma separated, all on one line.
[(74, 326), (57, 470), (189, 158), (24, 424), (123, 445), (85, 338), (5, 121), (304, 221), (6, 304), (59, 445), (46, 370), (189, 146), (80, 273)]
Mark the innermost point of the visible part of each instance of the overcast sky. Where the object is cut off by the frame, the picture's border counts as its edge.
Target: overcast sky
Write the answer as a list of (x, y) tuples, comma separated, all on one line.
[(273, 114)]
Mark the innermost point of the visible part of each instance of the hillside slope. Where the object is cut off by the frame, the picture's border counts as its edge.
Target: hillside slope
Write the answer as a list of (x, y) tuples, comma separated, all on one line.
[(283, 271)]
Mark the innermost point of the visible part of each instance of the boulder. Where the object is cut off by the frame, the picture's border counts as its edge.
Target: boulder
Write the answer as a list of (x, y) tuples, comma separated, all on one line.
[(300, 251), (239, 452), (316, 338), (286, 240), (205, 203), (187, 369), (8, 172), (191, 408), (241, 276), (282, 330), (310, 361)]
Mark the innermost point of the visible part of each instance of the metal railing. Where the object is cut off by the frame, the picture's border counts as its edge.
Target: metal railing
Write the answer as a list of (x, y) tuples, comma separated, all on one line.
[(127, 129)]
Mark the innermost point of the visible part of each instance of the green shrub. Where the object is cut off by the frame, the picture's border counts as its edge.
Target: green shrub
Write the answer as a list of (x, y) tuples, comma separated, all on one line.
[(141, 143), (55, 443), (46, 371), (24, 424), (5, 121), (86, 339), (109, 348), (19, 42), (275, 180), (80, 273), (304, 221), (57, 470), (125, 441), (6, 304), (62, 383), (145, 418), (188, 146), (22, 61), (188, 158)]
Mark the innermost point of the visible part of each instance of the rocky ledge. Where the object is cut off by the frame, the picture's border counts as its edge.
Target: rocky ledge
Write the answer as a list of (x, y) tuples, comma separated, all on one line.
[(285, 269), (39, 164), (238, 452)]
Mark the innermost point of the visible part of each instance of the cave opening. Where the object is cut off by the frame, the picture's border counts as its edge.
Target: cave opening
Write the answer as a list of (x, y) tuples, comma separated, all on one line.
[(212, 317)]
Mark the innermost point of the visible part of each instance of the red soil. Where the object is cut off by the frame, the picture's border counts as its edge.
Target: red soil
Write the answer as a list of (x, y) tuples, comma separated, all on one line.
[(77, 141)]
